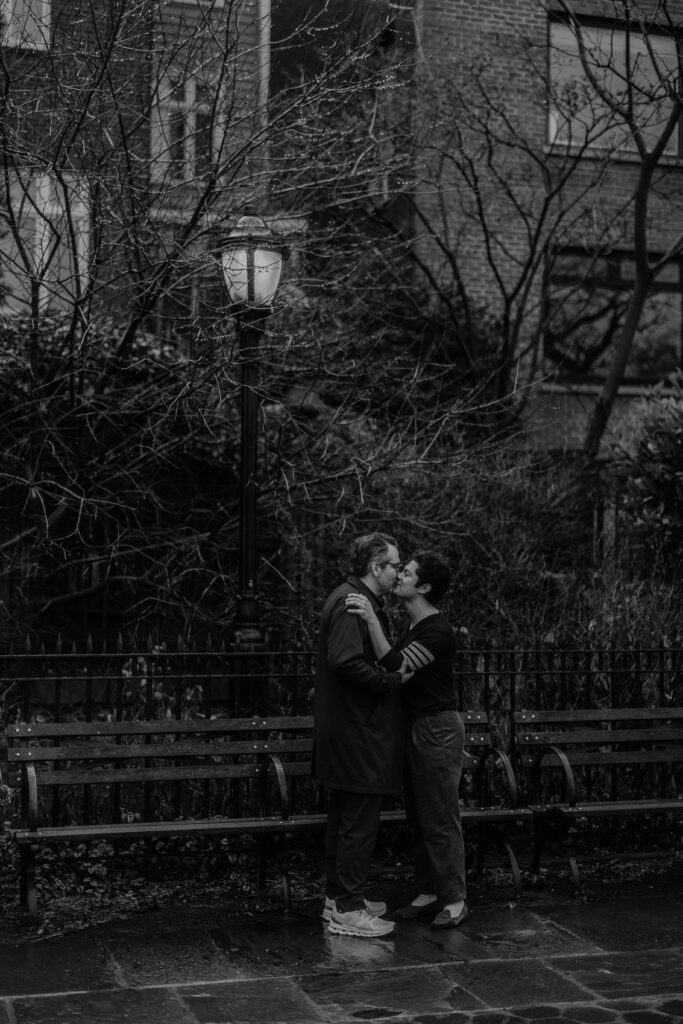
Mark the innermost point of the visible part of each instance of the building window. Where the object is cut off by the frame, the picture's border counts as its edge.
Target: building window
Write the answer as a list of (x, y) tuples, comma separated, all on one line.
[(620, 61), (586, 298), (25, 24), (186, 136), (44, 251), (193, 298)]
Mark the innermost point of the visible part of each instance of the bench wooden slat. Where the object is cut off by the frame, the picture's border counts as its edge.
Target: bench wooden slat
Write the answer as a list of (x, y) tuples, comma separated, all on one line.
[(105, 776), (93, 751), (31, 730), (602, 736), (530, 717), (611, 808), (619, 758), (159, 829)]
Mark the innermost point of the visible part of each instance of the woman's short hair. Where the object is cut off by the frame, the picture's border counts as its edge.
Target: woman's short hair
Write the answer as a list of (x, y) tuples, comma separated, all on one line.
[(371, 547), (432, 569)]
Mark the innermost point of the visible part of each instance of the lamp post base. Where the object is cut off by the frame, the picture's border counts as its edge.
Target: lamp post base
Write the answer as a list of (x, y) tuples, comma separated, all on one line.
[(247, 633), (248, 638)]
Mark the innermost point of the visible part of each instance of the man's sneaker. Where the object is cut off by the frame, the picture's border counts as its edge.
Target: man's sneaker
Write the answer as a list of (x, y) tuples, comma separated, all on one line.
[(374, 909), (359, 923)]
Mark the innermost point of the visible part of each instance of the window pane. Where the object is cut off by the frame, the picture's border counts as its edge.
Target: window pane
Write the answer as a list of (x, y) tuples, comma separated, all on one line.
[(203, 93), (177, 159), (202, 144), (657, 346), (26, 23), (587, 300), (578, 115), (50, 245), (177, 91)]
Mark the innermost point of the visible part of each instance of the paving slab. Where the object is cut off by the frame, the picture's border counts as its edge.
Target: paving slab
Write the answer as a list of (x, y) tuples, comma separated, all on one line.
[(283, 943), (513, 932), (427, 991), (638, 921), (66, 963), (251, 1002), (279, 944), (516, 982), (168, 948), (642, 973), (137, 1006)]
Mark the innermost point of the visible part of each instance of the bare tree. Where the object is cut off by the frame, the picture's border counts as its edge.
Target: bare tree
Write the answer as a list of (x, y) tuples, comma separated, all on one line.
[(132, 139), (539, 166), (638, 93)]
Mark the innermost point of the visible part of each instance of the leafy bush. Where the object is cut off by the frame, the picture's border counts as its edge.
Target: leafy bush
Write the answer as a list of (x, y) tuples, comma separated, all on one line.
[(113, 479), (652, 467), (518, 532)]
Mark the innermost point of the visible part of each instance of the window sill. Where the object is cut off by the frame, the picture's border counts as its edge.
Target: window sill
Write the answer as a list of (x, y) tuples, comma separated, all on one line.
[(564, 149), (23, 48), (632, 390)]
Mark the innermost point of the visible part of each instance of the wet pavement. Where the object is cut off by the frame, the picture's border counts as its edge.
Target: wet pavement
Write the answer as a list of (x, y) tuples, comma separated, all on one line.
[(614, 957)]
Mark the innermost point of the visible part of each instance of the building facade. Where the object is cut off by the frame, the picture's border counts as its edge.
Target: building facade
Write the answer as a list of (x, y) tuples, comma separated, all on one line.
[(555, 174)]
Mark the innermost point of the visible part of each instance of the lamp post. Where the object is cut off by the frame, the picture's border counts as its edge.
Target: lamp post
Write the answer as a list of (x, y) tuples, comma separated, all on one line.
[(252, 265)]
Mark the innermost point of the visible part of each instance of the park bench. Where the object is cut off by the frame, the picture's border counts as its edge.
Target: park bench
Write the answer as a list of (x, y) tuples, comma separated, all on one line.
[(580, 765), (140, 780)]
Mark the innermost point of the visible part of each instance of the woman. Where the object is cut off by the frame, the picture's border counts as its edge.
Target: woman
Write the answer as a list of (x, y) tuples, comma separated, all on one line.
[(435, 739)]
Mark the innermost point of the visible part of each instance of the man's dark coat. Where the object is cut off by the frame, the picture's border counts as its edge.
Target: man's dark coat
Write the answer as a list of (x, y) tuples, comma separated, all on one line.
[(358, 719)]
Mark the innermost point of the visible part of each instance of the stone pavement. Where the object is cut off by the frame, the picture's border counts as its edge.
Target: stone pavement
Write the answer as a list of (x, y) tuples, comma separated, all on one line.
[(613, 958)]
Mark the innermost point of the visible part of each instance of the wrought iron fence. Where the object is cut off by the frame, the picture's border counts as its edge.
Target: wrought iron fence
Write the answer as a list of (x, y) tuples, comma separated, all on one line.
[(501, 681), (151, 681)]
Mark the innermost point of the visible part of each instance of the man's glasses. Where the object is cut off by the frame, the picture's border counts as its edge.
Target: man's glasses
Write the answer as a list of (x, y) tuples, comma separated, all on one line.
[(397, 566)]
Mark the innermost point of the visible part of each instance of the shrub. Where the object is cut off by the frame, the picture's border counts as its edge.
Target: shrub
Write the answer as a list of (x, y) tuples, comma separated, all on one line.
[(652, 469)]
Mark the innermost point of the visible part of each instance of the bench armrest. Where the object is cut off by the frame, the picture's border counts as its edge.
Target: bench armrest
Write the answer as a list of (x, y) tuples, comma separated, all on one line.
[(480, 776), (537, 768), (29, 797), (273, 761)]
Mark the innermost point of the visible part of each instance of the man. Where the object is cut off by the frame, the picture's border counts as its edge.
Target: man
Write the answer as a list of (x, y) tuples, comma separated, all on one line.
[(358, 737)]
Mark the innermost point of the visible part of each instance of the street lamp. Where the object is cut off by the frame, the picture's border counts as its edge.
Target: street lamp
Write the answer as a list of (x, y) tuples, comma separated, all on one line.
[(252, 265)]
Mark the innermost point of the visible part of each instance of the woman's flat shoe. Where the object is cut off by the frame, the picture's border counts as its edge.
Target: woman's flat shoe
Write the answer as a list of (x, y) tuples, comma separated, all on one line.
[(412, 911), (444, 919)]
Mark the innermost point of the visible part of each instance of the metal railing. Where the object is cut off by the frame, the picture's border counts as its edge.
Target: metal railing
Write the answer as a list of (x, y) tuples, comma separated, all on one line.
[(153, 682), (150, 681), (501, 681)]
